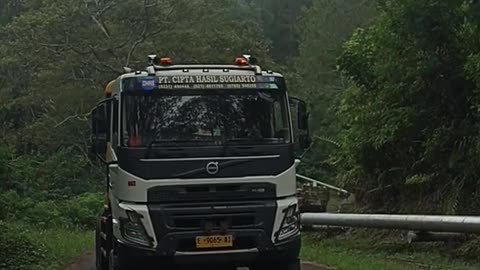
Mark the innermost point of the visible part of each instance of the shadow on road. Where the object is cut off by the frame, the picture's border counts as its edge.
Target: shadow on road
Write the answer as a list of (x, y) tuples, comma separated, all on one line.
[(87, 262)]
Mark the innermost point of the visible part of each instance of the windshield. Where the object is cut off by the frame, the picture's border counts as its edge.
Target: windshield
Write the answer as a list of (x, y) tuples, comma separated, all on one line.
[(213, 118)]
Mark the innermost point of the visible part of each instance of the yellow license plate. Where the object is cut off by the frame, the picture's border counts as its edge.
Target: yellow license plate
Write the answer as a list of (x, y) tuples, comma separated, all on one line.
[(214, 241)]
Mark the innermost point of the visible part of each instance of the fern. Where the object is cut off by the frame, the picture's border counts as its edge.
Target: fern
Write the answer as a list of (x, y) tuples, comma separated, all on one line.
[(328, 140), (419, 179)]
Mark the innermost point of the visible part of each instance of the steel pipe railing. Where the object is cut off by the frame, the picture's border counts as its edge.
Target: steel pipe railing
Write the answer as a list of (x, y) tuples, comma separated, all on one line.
[(461, 224)]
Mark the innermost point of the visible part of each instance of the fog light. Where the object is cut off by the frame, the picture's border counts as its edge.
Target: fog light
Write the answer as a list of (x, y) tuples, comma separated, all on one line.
[(134, 231), (290, 224)]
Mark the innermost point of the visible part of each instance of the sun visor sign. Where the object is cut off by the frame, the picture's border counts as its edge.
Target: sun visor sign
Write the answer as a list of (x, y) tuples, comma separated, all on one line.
[(205, 79), (202, 82), (149, 83)]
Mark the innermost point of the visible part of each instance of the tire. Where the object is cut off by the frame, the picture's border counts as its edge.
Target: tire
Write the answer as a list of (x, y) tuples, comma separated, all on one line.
[(101, 262), (118, 260)]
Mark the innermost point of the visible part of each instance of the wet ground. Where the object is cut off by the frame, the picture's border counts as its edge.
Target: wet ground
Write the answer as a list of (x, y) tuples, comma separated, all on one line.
[(87, 262)]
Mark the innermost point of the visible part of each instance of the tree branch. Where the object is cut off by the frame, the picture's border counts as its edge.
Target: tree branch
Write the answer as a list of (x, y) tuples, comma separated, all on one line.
[(80, 117), (144, 35)]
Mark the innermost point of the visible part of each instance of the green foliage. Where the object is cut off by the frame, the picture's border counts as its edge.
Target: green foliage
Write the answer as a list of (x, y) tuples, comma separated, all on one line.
[(78, 212), (410, 121), (9, 9), (381, 250), (28, 247), (61, 252), (55, 58), (82, 211), (18, 251), (279, 19), (322, 30)]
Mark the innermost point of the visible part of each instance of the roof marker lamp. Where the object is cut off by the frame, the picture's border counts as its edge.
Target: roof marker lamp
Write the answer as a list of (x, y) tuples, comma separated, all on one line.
[(134, 231), (290, 224), (166, 61), (241, 61)]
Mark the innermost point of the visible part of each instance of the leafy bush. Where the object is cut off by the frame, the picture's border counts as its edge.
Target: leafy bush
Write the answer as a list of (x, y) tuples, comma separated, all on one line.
[(78, 212), (468, 250), (17, 250), (43, 214), (82, 210), (12, 204)]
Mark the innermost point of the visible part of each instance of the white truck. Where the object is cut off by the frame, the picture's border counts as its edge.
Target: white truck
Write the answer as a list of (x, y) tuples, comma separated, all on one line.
[(200, 167)]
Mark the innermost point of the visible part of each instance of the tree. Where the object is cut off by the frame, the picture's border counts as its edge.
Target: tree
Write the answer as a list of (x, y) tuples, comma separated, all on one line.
[(57, 55), (9, 9), (323, 29), (279, 18), (410, 138)]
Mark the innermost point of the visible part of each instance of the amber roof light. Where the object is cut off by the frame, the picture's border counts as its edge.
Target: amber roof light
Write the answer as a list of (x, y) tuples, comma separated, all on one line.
[(166, 61), (241, 61)]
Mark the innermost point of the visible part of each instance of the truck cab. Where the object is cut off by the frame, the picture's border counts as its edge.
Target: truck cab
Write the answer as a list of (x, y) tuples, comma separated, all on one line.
[(200, 167)]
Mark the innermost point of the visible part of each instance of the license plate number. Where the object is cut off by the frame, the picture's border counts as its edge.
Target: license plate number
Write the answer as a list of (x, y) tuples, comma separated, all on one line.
[(214, 241)]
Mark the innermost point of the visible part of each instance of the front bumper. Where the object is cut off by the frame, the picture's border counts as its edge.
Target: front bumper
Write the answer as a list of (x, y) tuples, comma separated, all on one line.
[(287, 250), (254, 226)]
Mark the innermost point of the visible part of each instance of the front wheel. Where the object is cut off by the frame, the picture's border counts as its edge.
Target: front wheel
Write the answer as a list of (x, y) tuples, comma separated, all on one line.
[(101, 262), (118, 260)]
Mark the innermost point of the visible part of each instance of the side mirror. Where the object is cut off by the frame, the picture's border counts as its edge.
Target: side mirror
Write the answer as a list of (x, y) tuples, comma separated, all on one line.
[(100, 129), (300, 125), (302, 116)]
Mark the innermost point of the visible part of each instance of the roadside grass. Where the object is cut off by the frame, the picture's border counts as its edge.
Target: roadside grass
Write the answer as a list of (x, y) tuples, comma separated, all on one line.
[(62, 246), (344, 253)]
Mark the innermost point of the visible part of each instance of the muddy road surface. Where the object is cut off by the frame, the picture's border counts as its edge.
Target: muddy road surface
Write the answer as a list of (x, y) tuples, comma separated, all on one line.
[(87, 262)]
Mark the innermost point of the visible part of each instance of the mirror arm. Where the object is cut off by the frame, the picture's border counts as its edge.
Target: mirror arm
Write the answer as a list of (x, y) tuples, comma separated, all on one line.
[(106, 101), (104, 161)]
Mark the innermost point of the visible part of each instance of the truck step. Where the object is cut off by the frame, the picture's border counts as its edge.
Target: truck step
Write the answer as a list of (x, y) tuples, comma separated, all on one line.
[(103, 219), (104, 252)]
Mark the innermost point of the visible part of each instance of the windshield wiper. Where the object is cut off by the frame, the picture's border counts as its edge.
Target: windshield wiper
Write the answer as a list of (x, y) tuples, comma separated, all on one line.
[(253, 141)]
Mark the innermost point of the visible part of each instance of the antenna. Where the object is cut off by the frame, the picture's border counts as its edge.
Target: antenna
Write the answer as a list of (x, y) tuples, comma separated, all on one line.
[(153, 59), (251, 60)]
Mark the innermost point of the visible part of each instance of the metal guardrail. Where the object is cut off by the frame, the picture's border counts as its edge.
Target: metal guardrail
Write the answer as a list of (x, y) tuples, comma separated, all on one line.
[(460, 224)]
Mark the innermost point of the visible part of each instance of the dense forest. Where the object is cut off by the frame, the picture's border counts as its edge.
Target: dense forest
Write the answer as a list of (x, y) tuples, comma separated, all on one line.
[(392, 89)]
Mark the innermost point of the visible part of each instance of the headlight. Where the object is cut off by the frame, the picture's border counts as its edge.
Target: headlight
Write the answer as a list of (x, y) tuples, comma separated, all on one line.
[(133, 229), (290, 224)]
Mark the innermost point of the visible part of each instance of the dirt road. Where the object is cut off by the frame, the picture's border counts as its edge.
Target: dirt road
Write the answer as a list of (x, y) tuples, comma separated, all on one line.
[(87, 262)]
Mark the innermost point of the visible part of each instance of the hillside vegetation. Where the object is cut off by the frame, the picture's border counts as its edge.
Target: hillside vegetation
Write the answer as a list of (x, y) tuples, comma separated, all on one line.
[(394, 84)]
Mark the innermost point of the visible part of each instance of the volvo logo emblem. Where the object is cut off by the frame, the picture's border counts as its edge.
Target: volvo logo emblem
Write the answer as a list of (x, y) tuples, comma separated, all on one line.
[(212, 168)]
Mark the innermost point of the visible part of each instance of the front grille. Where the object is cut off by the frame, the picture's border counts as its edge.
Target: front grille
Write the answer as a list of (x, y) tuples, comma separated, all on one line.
[(201, 193), (177, 225), (215, 222)]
